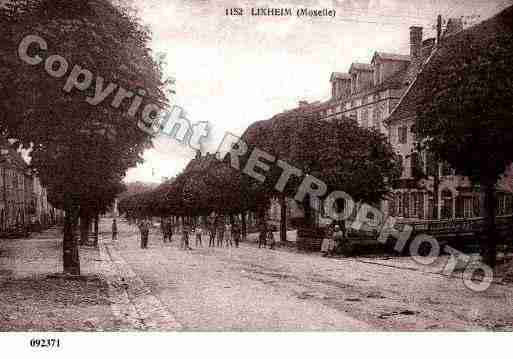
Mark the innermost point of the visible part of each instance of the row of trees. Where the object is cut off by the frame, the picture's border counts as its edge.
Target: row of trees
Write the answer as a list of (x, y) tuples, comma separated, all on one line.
[(344, 155), (80, 152)]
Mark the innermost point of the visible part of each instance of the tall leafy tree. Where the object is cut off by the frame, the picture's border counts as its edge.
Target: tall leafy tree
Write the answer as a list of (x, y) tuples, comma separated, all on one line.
[(77, 148), (465, 113)]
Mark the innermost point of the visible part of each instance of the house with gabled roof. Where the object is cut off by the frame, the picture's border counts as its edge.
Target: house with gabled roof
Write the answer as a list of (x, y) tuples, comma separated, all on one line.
[(442, 195)]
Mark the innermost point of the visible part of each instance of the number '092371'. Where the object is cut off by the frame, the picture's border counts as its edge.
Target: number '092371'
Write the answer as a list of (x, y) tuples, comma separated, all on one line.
[(45, 343)]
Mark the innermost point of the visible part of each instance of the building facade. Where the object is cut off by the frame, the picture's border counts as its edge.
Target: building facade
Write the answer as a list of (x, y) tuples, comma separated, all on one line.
[(23, 200), (370, 93)]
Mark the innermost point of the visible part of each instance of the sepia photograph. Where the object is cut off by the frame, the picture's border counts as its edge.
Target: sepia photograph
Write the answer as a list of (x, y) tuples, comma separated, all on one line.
[(226, 178)]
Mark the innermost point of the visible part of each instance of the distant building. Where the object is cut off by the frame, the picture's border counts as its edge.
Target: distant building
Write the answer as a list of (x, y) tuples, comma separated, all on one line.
[(23, 200)]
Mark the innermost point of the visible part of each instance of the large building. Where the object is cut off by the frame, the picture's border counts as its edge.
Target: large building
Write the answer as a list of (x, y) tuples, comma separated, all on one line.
[(378, 95), (441, 194)]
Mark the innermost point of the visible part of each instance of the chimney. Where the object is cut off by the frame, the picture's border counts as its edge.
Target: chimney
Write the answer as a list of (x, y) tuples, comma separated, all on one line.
[(303, 103), (438, 29), (415, 42)]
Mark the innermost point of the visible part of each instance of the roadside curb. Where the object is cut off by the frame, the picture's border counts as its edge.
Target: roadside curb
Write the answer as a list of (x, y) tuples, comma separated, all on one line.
[(133, 302), (122, 308)]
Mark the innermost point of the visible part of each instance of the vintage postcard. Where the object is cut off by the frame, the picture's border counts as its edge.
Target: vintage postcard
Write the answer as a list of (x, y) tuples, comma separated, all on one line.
[(313, 166)]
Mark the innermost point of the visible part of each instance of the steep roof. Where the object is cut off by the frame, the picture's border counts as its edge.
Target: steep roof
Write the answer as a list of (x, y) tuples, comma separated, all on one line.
[(457, 46), (358, 66), (390, 56), (339, 76)]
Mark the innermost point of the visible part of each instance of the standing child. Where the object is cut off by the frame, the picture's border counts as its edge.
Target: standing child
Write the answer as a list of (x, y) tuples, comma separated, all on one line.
[(220, 235), (114, 230), (212, 236), (262, 236), (198, 232), (185, 238), (236, 234), (270, 238), (228, 235), (144, 227)]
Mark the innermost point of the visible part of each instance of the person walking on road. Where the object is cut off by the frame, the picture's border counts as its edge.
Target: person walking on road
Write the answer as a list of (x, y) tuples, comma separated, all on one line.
[(328, 243), (236, 234), (167, 231), (220, 235), (212, 236), (114, 230), (144, 228), (185, 238), (198, 233), (270, 238), (342, 243), (262, 236), (228, 235)]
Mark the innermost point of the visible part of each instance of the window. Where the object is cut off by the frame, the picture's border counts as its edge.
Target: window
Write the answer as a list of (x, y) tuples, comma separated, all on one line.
[(377, 74), (402, 134), (392, 207), (416, 165), (401, 162), (406, 205), (468, 207), (447, 205), (420, 205), (416, 205), (509, 204), (501, 204), (353, 83), (365, 118), (413, 133), (399, 206), (377, 117)]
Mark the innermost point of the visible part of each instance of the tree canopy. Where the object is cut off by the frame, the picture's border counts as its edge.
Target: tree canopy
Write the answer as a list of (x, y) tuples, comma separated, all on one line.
[(465, 114), (80, 148)]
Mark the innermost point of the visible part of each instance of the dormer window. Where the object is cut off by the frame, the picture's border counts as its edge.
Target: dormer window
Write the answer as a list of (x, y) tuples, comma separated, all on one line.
[(354, 79), (377, 74)]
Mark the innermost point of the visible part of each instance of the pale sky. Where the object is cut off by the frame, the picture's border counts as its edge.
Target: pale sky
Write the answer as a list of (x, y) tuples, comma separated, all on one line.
[(233, 71)]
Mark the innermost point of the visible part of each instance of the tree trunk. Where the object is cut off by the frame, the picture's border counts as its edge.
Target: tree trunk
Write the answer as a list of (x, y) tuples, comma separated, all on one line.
[(283, 219), (96, 224), (85, 225), (308, 212), (489, 242), (70, 256), (244, 227)]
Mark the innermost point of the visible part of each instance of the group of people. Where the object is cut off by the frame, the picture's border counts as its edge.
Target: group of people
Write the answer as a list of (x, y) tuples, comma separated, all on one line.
[(336, 241), (228, 235), (218, 236), (266, 235)]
